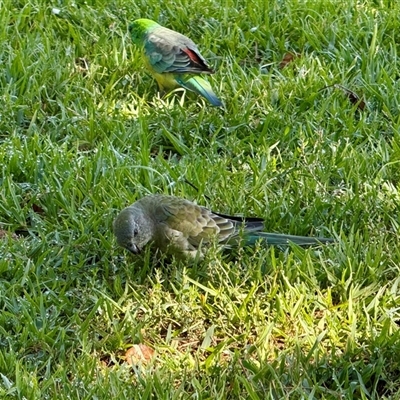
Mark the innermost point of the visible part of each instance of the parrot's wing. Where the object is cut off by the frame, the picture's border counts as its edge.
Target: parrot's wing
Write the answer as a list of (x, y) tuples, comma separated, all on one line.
[(196, 223), (169, 51)]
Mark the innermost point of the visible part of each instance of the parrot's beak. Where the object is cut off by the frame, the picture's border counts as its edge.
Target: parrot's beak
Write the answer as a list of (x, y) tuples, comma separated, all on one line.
[(134, 249)]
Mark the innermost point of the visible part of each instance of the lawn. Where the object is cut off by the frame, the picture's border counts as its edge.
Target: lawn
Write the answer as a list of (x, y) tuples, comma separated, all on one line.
[(308, 138)]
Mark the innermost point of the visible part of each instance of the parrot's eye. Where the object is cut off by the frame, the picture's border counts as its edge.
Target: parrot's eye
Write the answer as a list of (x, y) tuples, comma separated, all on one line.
[(135, 231)]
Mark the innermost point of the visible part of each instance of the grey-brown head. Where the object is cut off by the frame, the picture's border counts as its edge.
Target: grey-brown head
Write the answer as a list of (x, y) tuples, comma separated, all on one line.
[(133, 229)]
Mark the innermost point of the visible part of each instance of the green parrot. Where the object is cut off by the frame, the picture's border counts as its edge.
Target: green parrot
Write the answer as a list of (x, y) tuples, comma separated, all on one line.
[(173, 59), (178, 227)]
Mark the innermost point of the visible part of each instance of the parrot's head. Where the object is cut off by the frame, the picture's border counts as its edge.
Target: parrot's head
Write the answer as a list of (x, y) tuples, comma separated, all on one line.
[(133, 229), (140, 28)]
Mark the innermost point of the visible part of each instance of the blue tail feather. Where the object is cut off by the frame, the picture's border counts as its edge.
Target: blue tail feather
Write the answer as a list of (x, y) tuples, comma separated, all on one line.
[(200, 86), (282, 239)]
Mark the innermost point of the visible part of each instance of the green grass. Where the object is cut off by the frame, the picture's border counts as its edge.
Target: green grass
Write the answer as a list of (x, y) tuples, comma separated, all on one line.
[(83, 133)]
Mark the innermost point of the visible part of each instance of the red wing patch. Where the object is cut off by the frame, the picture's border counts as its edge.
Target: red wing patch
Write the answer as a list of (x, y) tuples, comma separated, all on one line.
[(196, 59)]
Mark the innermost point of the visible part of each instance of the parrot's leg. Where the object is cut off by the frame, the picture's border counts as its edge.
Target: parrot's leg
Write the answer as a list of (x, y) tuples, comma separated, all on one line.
[(161, 90)]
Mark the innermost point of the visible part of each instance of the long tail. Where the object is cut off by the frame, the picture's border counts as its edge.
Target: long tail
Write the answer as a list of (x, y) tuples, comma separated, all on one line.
[(200, 86), (281, 239)]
